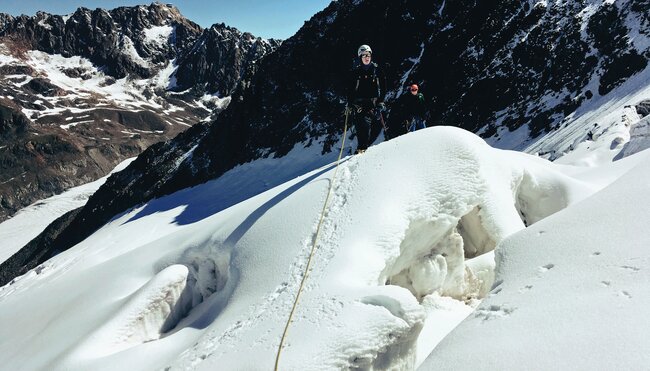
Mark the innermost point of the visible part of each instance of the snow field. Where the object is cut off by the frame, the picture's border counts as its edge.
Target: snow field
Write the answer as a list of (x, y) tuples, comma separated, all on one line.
[(159, 35), (405, 254)]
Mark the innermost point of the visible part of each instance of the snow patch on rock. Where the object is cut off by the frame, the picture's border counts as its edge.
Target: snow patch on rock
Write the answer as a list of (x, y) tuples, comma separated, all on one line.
[(158, 35), (128, 48)]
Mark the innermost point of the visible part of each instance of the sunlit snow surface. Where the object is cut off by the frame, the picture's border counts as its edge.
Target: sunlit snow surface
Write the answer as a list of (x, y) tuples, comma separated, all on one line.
[(571, 292), (174, 284)]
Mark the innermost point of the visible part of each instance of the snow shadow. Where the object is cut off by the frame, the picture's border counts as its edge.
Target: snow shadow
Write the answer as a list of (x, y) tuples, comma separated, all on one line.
[(206, 200), (144, 316), (476, 240), (250, 220), (399, 354), (191, 293)]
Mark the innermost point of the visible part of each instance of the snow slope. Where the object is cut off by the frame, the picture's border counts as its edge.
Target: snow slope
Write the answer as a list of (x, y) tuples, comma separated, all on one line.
[(571, 292), (599, 130), (405, 253)]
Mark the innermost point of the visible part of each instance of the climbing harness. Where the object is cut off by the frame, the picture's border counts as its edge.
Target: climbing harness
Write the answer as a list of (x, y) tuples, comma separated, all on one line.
[(313, 247)]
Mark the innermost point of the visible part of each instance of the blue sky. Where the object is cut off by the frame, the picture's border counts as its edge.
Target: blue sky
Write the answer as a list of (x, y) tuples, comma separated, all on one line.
[(265, 18)]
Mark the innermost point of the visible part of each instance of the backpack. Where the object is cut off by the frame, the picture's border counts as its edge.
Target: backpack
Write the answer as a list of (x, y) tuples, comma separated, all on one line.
[(356, 63)]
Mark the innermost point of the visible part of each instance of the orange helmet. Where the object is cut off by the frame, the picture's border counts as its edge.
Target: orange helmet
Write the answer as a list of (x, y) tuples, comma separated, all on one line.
[(413, 87)]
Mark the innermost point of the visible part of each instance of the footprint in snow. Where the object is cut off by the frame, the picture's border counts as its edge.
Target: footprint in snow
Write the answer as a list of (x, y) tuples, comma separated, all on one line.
[(630, 268), (525, 289), (546, 268), (494, 311)]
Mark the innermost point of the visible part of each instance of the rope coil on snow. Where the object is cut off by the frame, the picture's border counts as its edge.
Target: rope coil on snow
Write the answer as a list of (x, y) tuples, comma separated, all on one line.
[(313, 247)]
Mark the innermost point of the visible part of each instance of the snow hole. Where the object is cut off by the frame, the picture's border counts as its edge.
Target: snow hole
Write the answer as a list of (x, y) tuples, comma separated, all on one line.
[(206, 276)]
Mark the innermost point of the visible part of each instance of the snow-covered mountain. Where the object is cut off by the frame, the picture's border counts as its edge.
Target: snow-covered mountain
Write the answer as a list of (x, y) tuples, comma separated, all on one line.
[(405, 253), (190, 258), (82, 92), (547, 78)]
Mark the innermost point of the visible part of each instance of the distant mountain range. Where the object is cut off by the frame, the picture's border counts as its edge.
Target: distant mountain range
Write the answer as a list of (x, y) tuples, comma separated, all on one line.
[(524, 75), (82, 92)]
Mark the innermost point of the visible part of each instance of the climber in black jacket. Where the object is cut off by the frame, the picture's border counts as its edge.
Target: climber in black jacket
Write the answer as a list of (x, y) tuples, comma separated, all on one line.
[(366, 98), (413, 108)]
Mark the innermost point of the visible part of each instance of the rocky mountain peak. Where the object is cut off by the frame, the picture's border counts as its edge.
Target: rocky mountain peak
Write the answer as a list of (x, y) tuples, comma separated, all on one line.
[(146, 16), (109, 83), (5, 19), (226, 46), (125, 40)]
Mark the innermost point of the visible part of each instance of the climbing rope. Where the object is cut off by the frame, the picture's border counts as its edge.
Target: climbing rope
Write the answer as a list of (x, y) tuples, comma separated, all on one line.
[(313, 247)]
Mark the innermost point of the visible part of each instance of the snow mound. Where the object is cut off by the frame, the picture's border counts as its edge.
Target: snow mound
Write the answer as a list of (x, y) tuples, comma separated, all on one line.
[(407, 244), (571, 290)]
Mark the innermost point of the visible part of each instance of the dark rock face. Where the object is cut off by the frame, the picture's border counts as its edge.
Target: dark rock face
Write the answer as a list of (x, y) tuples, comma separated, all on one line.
[(610, 36), (481, 65), (116, 101), (12, 122), (222, 56), (15, 265), (158, 162), (43, 87), (643, 108)]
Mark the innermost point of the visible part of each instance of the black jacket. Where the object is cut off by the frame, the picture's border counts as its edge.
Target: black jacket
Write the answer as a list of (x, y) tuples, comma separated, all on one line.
[(367, 83), (412, 105)]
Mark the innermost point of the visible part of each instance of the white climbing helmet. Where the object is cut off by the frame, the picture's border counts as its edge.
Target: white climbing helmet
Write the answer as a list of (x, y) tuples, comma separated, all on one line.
[(363, 49)]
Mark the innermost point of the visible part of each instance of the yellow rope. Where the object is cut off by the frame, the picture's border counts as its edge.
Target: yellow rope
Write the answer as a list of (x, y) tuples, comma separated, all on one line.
[(313, 247)]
